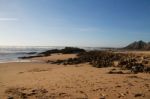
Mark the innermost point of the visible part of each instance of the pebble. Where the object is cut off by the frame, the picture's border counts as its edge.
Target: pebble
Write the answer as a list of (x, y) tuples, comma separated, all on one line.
[(127, 92), (138, 95), (118, 86)]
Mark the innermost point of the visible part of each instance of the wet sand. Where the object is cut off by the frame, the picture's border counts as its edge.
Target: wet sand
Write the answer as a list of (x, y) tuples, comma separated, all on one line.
[(50, 81)]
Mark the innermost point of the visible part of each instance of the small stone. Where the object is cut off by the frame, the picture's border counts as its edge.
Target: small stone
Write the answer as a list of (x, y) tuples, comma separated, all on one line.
[(147, 85), (138, 95), (118, 86), (34, 90), (127, 92)]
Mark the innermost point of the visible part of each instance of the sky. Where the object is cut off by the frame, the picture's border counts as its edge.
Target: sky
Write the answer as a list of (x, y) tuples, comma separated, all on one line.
[(90, 23)]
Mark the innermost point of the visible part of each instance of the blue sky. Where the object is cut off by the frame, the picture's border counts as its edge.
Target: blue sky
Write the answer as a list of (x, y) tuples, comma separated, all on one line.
[(95, 23)]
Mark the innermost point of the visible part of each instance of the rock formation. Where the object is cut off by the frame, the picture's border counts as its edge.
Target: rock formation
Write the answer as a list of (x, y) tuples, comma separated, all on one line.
[(139, 45)]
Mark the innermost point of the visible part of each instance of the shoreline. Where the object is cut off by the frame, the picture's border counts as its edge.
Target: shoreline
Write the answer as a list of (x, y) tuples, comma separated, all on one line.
[(21, 61)]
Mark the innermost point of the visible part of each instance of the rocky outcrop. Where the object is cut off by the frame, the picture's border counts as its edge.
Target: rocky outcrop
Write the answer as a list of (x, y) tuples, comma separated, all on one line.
[(49, 52), (101, 59), (66, 50)]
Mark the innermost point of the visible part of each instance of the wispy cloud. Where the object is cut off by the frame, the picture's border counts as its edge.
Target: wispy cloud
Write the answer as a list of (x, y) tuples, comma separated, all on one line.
[(8, 19)]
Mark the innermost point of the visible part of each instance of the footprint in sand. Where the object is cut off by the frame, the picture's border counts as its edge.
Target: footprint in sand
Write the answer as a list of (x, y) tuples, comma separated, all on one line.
[(39, 70), (27, 93)]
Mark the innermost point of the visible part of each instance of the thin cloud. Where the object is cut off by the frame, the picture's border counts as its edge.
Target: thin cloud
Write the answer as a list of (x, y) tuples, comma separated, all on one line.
[(8, 19)]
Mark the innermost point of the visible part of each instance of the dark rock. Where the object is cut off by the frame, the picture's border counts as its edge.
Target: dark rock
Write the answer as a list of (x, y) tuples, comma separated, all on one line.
[(99, 59), (145, 61), (137, 68), (32, 53), (71, 50), (138, 95), (29, 57), (49, 52), (66, 50), (147, 69), (115, 72), (118, 86)]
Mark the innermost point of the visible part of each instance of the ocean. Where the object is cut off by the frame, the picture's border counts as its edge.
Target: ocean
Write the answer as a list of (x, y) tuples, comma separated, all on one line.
[(11, 53)]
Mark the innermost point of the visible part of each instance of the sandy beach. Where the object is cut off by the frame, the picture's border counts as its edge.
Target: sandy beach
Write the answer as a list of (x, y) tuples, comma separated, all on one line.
[(40, 80), (74, 49)]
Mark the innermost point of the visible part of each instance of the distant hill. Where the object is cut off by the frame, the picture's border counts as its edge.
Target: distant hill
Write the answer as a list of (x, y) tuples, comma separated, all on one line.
[(138, 45)]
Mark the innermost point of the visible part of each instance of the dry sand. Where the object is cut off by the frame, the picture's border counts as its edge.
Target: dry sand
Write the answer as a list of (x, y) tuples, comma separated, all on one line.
[(49, 81)]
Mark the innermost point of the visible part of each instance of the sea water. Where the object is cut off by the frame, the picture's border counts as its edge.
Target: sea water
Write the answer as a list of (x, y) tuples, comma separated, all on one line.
[(11, 53)]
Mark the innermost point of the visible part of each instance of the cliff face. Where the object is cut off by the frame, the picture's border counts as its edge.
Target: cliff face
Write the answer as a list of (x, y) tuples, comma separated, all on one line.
[(139, 45)]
